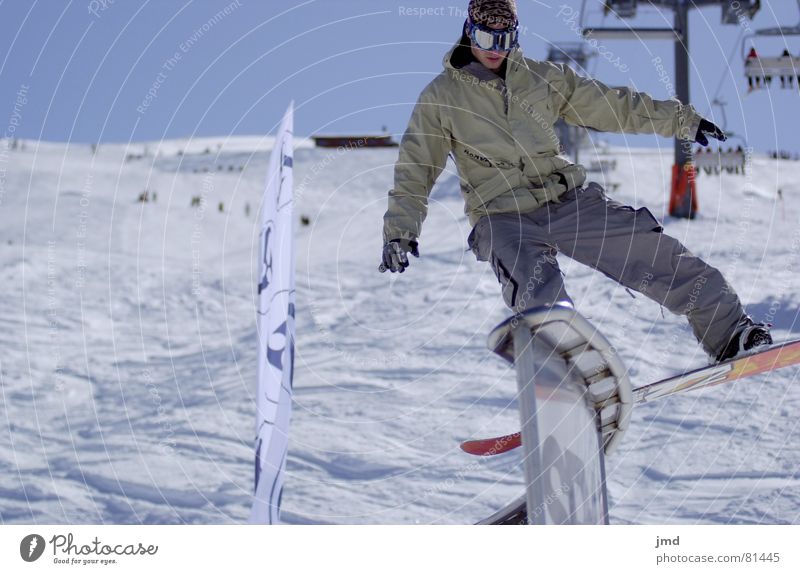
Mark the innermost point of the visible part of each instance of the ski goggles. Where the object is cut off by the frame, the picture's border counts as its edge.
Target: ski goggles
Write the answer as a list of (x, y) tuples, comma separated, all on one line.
[(487, 38)]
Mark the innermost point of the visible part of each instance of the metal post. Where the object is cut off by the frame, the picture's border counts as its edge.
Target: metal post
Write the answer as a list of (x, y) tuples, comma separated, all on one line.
[(527, 363), (683, 148)]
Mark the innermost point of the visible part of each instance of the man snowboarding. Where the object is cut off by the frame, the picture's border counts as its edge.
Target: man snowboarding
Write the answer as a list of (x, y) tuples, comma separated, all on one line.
[(493, 111)]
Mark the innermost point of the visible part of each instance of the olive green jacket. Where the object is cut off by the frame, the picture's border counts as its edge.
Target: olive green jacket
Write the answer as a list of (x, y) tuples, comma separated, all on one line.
[(500, 134)]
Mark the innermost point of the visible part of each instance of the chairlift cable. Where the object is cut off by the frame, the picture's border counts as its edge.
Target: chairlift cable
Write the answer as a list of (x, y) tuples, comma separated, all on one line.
[(726, 70)]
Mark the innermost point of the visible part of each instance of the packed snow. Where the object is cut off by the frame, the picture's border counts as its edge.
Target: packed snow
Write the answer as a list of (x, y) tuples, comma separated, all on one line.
[(128, 358)]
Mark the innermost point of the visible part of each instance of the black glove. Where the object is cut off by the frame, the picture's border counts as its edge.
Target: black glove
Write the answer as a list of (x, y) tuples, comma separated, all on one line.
[(395, 256), (706, 127)]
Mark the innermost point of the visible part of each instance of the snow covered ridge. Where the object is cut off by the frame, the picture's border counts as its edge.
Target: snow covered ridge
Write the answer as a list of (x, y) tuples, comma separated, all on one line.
[(127, 369)]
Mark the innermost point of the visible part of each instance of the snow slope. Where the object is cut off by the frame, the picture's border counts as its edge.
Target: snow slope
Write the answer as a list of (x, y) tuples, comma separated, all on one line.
[(127, 359)]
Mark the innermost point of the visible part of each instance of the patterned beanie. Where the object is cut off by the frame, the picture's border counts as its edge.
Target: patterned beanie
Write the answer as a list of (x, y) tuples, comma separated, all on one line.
[(488, 12)]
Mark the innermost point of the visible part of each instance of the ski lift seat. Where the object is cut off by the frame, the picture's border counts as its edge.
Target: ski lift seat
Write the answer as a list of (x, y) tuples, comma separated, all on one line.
[(723, 159), (621, 8), (772, 67)]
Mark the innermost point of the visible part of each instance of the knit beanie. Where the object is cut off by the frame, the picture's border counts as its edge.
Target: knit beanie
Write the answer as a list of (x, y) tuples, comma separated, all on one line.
[(488, 12)]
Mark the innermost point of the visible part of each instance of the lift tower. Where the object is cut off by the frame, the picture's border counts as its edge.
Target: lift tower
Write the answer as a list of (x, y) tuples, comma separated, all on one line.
[(575, 54), (683, 202)]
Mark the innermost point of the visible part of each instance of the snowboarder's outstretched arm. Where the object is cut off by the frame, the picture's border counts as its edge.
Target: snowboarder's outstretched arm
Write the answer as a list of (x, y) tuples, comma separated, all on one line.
[(590, 103)]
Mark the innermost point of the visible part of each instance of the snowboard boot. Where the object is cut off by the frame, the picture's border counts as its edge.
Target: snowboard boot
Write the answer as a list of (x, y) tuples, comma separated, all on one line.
[(745, 338)]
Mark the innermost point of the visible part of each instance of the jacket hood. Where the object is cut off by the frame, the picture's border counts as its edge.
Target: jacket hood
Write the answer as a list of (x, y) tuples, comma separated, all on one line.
[(459, 55)]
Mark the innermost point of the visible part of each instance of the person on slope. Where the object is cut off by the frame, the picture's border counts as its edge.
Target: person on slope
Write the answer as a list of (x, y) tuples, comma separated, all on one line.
[(493, 110)]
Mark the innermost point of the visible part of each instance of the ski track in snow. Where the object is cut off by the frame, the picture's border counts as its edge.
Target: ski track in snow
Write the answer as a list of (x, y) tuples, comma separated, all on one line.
[(128, 346)]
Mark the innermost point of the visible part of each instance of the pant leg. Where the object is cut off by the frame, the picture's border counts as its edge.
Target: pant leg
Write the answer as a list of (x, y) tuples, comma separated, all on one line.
[(522, 258), (628, 245)]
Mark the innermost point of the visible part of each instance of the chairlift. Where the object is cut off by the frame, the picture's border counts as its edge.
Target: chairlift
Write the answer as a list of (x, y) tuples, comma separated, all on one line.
[(732, 160), (761, 70), (620, 8), (602, 165), (576, 54), (734, 11), (715, 161), (731, 135)]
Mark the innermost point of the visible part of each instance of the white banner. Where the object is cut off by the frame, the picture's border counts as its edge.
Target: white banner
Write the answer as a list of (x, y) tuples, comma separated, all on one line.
[(275, 329)]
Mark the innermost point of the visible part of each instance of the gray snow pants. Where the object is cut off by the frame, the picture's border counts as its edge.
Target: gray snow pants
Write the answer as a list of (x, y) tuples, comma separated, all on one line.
[(626, 245)]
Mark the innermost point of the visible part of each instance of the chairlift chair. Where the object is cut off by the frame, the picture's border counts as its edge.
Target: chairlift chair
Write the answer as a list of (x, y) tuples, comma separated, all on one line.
[(761, 70)]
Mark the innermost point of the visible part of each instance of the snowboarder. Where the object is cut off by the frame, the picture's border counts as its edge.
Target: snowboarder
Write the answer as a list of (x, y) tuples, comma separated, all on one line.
[(493, 111)]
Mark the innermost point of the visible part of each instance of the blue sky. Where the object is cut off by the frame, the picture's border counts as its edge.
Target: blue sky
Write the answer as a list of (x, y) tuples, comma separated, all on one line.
[(104, 70)]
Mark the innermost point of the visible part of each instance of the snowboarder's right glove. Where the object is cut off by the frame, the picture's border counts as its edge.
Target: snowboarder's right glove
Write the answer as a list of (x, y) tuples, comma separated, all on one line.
[(395, 255), (708, 128)]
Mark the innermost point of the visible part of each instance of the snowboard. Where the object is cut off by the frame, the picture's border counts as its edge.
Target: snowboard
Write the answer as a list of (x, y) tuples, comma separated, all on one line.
[(769, 359)]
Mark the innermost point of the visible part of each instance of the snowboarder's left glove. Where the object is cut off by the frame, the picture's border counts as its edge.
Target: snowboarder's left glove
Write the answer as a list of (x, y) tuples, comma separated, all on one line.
[(708, 128), (395, 255)]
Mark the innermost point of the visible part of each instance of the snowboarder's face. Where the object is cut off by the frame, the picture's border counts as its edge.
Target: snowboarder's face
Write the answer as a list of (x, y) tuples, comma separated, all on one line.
[(491, 59)]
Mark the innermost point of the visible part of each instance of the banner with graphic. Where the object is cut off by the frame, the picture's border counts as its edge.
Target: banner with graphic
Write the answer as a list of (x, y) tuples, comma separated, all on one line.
[(276, 292)]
